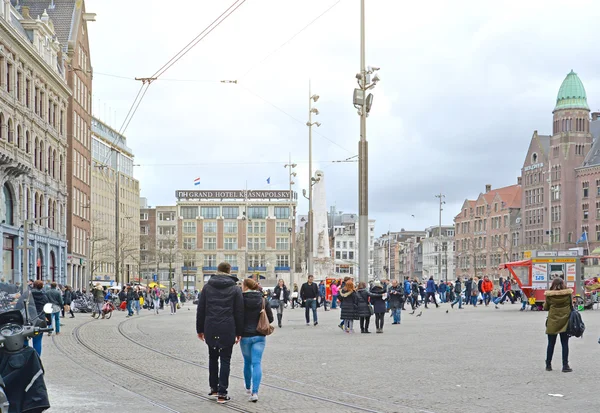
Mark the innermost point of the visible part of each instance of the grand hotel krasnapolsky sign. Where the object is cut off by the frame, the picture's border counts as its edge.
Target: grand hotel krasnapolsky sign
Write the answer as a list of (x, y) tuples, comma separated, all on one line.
[(235, 194)]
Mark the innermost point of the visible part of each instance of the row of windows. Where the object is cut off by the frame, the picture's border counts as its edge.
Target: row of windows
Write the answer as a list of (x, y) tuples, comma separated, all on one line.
[(81, 167), (232, 212), (570, 124), (81, 131), (344, 255), (534, 216)]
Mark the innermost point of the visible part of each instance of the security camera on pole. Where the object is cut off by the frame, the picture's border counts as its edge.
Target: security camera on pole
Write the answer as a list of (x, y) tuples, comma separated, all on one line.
[(311, 180), (363, 103)]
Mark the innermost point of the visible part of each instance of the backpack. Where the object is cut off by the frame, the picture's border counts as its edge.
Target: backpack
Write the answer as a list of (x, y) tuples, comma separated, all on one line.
[(576, 327)]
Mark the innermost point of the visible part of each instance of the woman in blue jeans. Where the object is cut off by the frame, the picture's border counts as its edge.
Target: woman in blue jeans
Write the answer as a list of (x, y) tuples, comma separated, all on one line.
[(253, 342)]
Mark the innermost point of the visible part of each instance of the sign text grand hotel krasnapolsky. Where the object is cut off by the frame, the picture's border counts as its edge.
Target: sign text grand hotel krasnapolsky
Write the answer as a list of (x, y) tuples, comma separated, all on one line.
[(233, 194)]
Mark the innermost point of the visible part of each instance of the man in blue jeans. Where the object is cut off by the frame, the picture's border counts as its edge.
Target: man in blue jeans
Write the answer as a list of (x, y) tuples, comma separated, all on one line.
[(309, 292), (458, 292), (55, 297)]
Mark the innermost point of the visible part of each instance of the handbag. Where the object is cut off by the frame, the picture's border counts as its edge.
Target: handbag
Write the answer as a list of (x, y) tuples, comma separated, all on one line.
[(263, 326), (55, 308), (275, 303), (371, 310), (67, 308)]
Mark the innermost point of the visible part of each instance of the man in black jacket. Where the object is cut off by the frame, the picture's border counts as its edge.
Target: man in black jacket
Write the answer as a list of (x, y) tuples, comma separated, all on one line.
[(309, 294), (220, 323)]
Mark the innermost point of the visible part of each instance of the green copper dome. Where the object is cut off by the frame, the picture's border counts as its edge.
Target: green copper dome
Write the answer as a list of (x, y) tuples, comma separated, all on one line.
[(571, 94)]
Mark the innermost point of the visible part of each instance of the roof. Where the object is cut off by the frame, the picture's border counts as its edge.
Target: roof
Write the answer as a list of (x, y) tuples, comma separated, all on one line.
[(509, 195), (593, 156), (61, 14), (571, 94)]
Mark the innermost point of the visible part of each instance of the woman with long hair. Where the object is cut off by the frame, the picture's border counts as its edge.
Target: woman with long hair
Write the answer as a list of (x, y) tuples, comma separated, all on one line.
[(376, 296), (559, 303), (253, 343), (364, 308), (173, 300), (281, 294), (68, 300), (349, 306)]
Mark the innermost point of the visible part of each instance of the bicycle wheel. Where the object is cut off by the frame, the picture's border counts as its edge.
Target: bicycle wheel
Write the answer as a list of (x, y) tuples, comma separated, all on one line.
[(108, 315), (96, 315)]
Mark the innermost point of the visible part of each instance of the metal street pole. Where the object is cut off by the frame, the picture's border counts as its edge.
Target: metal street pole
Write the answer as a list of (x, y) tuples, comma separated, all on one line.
[(291, 166), (549, 204), (441, 197), (363, 166), (310, 124)]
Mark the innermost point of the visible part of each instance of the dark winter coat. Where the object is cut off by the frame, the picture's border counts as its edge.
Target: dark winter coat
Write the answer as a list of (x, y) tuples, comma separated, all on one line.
[(277, 293), (363, 303), (457, 287), (55, 297), (443, 288), (431, 287), (40, 299), (220, 313), (414, 288), (376, 296), (68, 297), (395, 296), (349, 305), (559, 304), (182, 297), (173, 298), (309, 291), (468, 286), (253, 302), (129, 296)]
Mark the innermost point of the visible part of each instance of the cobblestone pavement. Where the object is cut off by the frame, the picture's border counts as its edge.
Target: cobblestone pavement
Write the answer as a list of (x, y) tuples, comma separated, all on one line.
[(460, 361)]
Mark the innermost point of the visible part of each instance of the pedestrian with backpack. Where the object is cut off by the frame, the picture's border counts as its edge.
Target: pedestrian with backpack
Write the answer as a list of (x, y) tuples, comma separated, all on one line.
[(156, 299), (559, 303)]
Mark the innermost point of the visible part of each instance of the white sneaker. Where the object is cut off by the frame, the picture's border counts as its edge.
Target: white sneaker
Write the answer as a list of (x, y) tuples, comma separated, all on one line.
[(254, 398), (249, 392)]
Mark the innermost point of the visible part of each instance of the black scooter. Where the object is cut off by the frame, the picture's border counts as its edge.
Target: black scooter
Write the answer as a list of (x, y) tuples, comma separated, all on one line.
[(22, 386)]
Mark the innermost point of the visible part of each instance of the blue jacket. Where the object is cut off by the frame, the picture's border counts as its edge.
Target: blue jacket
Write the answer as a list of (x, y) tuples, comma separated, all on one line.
[(406, 287), (322, 290), (431, 288), (443, 288)]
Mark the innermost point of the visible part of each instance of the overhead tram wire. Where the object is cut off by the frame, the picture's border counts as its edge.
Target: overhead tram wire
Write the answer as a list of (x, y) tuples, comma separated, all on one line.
[(290, 39)]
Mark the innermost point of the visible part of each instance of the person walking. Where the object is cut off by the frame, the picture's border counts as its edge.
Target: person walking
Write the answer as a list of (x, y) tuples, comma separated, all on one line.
[(468, 285), (253, 343), (129, 300), (559, 303), (349, 306), (376, 297), (487, 286), (182, 298), (137, 297), (55, 297), (414, 289), (68, 300), (442, 290), (309, 293), (220, 324), (295, 296), (98, 297), (323, 294), (281, 293), (458, 292), (474, 291), (39, 299), (156, 298), (173, 300), (430, 290), (364, 307), (406, 286), (334, 294), (395, 300)]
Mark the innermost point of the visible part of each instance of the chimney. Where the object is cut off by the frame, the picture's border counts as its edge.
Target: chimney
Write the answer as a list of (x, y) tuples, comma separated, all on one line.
[(595, 116), (519, 180), (25, 12), (488, 188)]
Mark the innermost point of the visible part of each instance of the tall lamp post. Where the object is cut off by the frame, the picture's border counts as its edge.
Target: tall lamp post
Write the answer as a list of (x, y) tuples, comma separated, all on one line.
[(311, 98), (363, 103), (441, 197), (291, 166)]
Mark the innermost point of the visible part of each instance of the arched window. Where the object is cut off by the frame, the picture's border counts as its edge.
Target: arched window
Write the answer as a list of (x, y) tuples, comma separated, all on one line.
[(8, 205), (54, 163), (9, 127), (27, 204), (49, 164), (19, 136), (35, 153), (36, 206), (42, 152), (41, 208), (27, 142), (60, 170), (2, 126)]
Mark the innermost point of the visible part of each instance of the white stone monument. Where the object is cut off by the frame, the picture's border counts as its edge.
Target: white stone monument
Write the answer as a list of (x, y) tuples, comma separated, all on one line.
[(323, 261)]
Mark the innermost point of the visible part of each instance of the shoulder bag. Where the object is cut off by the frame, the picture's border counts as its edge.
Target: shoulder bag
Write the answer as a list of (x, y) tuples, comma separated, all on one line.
[(263, 326)]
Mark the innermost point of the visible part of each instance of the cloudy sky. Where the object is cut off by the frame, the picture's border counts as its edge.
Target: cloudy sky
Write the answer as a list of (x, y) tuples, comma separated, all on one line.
[(464, 85)]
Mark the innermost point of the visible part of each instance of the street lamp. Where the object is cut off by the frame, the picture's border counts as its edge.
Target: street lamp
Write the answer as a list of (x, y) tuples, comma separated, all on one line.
[(291, 166), (363, 103), (311, 98)]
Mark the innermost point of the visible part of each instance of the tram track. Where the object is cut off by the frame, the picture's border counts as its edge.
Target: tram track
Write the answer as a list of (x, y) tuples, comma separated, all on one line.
[(272, 386), (164, 383)]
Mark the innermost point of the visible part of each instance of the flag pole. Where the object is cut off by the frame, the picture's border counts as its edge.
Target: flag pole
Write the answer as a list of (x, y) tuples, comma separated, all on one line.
[(587, 240)]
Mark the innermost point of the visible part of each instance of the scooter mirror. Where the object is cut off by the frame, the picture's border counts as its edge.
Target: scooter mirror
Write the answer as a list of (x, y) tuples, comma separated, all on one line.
[(48, 308)]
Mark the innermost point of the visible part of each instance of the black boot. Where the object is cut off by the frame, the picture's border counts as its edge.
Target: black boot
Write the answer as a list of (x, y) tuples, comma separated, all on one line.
[(566, 368), (548, 365), (279, 317)]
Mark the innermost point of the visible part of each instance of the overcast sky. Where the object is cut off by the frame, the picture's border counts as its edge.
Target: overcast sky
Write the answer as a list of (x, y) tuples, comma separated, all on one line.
[(464, 85)]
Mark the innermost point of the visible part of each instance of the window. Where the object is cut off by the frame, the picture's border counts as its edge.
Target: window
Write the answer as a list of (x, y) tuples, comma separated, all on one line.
[(144, 230), (585, 208), (210, 260), (351, 244), (170, 230), (231, 244), (189, 243), (586, 189), (283, 261), (230, 212), (188, 212), (256, 261), (210, 227), (230, 227), (231, 259), (257, 227), (189, 262), (282, 212), (189, 227), (210, 243), (350, 255), (258, 212), (338, 255), (345, 244), (281, 227), (210, 212), (337, 244), (8, 205), (256, 243), (344, 255), (282, 243), (166, 216)]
